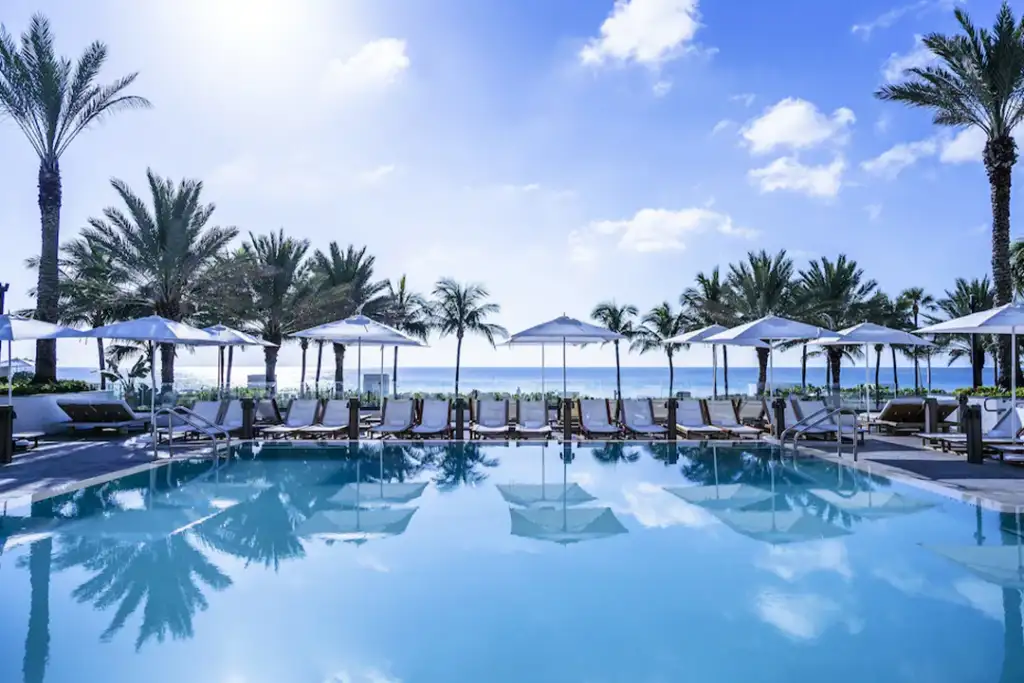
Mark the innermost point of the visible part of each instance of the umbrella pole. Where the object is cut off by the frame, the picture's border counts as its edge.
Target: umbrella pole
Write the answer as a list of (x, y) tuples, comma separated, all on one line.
[(359, 371), (10, 373), (565, 392), (380, 384), (771, 368), (152, 395), (867, 382), (714, 371), (1013, 381), (543, 396)]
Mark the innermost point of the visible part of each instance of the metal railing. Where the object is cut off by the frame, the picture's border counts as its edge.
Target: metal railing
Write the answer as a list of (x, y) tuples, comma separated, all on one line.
[(198, 423), (813, 420)]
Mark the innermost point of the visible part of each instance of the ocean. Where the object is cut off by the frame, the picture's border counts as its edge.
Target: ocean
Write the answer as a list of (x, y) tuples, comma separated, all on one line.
[(600, 382)]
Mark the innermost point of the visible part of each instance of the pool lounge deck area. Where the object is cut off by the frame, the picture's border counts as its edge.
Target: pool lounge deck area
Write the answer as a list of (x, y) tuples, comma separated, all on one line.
[(56, 464)]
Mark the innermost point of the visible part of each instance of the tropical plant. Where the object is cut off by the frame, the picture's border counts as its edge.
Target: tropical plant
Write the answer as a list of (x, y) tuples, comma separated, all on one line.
[(406, 311), (895, 314), (705, 304), (656, 327), (347, 277), (760, 286), (52, 102), (918, 300), (835, 295), (978, 83), (461, 309), (128, 377), (618, 319), (965, 298), (168, 254)]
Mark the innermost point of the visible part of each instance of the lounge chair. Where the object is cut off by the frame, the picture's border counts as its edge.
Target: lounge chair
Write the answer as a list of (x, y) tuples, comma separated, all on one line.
[(201, 420), (491, 419), (267, 412), (638, 418), (722, 414), (397, 418), (594, 419), (435, 418), (805, 409), (102, 414), (301, 416), (791, 418), (532, 420), (751, 413), (1001, 433), (334, 420), (231, 419), (904, 414), (690, 420)]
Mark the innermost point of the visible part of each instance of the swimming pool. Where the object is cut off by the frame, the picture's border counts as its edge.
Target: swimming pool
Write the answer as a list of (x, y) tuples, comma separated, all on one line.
[(494, 562)]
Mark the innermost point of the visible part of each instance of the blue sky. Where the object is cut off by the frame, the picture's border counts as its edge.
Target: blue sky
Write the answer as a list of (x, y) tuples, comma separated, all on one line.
[(562, 153)]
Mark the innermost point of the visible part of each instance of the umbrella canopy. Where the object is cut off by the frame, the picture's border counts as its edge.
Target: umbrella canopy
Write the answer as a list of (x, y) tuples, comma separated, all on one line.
[(16, 365), (1007, 319), (566, 525), (1002, 565), (544, 495), (723, 497), (702, 335), (154, 329), (872, 504), (870, 333), (359, 329), (231, 337), (357, 494), (356, 526), (16, 328), (563, 330), (770, 327), (784, 526)]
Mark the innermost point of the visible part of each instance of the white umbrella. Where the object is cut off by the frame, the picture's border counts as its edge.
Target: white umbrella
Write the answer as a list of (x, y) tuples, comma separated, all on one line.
[(357, 494), (567, 332), (872, 504), (1006, 319), (769, 328), (360, 330), (1002, 565), (356, 526), (568, 525), (154, 330), (231, 337), (870, 334), (701, 336), (14, 328)]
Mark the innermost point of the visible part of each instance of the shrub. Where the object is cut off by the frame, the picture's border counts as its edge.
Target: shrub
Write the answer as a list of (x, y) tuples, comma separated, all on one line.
[(61, 386)]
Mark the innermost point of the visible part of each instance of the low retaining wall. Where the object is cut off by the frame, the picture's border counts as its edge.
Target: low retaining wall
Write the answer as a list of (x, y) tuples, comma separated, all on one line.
[(40, 413)]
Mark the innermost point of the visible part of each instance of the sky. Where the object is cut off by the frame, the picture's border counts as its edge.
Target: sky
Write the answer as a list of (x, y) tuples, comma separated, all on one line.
[(560, 153)]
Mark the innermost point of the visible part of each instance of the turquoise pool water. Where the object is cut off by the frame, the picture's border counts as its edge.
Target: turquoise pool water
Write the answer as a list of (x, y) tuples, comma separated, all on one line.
[(508, 563)]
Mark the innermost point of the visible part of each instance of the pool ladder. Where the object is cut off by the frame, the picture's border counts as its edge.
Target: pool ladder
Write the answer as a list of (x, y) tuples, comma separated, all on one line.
[(197, 422), (813, 420)]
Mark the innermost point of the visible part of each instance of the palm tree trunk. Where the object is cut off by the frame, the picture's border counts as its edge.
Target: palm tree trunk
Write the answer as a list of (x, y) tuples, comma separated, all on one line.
[(671, 374), (725, 368), (1000, 156), (166, 366), (714, 377), (803, 369), (47, 295), (928, 359), (835, 359), (270, 368), (828, 373), (37, 641), (895, 376), (227, 367), (102, 364), (458, 359), (339, 370), (878, 368), (319, 363), (762, 370), (976, 366), (394, 374), (304, 345), (995, 365), (618, 373)]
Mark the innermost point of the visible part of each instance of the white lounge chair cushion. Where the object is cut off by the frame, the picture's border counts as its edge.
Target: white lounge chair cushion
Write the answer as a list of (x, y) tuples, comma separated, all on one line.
[(435, 416), (531, 416), (492, 414)]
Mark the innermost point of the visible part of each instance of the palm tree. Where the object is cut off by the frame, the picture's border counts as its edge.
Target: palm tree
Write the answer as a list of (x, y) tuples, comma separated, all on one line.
[(965, 298), (836, 295), (406, 311), (284, 299), (348, 277), (52, 103), (918, 300), (460, 310), (168, 254), (708, 304), (977, 84), (762, 285), (660, 323), (618, 319), (893, 313)]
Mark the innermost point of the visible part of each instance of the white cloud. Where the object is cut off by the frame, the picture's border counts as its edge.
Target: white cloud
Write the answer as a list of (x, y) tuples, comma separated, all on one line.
[(887, 19), (722, 125), (792, 563), (874, 212), (376, 175), (787, 173), (581, 247), (745, 98), (655, 508), (647, 32), (891, 162), (966, 146), (882, 124), (375, 65), (919, 56), (795, 124), (803, 617), (663, 229), (662, 88)]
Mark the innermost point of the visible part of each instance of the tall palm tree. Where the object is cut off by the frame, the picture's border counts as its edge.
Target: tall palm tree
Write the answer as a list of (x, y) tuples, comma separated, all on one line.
[(284, 299), (977, 84), (836, 295), (762, 285), (918, 300), (347, 276), (52, 102), (660, 323), (461, 309), (168, 252), (618, 319), (892, 312), (707, 303), (406, 311), (965, 298)]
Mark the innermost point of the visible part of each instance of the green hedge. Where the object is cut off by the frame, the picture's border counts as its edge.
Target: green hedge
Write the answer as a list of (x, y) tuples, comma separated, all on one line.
[(63, 386), (988, 392)]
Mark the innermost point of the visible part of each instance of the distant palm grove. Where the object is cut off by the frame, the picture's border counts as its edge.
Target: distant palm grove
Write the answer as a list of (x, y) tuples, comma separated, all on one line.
[(157, 250)]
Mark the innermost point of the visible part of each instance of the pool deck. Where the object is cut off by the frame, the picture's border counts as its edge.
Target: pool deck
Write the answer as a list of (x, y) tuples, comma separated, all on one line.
[(68, 463)]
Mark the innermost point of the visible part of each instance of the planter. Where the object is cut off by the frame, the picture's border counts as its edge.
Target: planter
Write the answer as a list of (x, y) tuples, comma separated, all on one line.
[(40, 413)]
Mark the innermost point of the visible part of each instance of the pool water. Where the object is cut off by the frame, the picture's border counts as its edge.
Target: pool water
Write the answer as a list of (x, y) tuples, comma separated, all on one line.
[(495, 562)]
